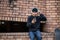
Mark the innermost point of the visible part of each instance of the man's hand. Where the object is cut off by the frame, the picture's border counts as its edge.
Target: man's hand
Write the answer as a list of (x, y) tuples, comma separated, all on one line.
[(33, 21)]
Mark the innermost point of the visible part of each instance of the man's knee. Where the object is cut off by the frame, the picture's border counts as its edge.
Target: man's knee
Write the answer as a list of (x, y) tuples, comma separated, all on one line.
[(31, 34), (31, 37), (39, 36)]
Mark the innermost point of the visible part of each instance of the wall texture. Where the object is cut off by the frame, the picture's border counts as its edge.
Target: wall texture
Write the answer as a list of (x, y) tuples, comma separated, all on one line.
[(20, 9)]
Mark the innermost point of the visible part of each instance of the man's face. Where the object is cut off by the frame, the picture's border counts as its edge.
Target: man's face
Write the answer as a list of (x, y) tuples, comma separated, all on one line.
[(34, 13)]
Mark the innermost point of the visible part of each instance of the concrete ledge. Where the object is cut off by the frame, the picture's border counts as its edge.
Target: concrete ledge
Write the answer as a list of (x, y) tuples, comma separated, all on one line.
[(24, 36)]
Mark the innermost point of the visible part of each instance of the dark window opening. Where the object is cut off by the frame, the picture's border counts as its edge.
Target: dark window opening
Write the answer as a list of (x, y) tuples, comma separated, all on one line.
[(14, 26), (42, 27)]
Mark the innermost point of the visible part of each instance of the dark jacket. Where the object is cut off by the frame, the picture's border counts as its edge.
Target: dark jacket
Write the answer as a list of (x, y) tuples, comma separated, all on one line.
[(42, 17), (31, 26)]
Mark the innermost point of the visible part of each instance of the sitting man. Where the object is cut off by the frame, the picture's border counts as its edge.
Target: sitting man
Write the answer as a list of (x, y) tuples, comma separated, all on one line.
[(33, 23)]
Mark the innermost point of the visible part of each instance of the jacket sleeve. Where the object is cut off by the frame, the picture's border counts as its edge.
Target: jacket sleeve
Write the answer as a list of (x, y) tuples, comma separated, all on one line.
[(42, 18), (29, 21)]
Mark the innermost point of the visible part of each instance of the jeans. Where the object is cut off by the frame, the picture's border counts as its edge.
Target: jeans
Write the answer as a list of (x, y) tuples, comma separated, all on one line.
[(33, 34)]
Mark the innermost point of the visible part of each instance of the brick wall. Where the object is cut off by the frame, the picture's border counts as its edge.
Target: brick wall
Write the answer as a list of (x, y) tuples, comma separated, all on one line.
[(58, 12), (51, 15), (20, 9)]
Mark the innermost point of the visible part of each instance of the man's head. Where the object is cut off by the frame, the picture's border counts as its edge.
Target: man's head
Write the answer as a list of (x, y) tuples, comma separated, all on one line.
[(34, 11)]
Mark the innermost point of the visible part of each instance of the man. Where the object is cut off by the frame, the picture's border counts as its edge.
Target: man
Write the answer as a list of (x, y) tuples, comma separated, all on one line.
[(33, 23)]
